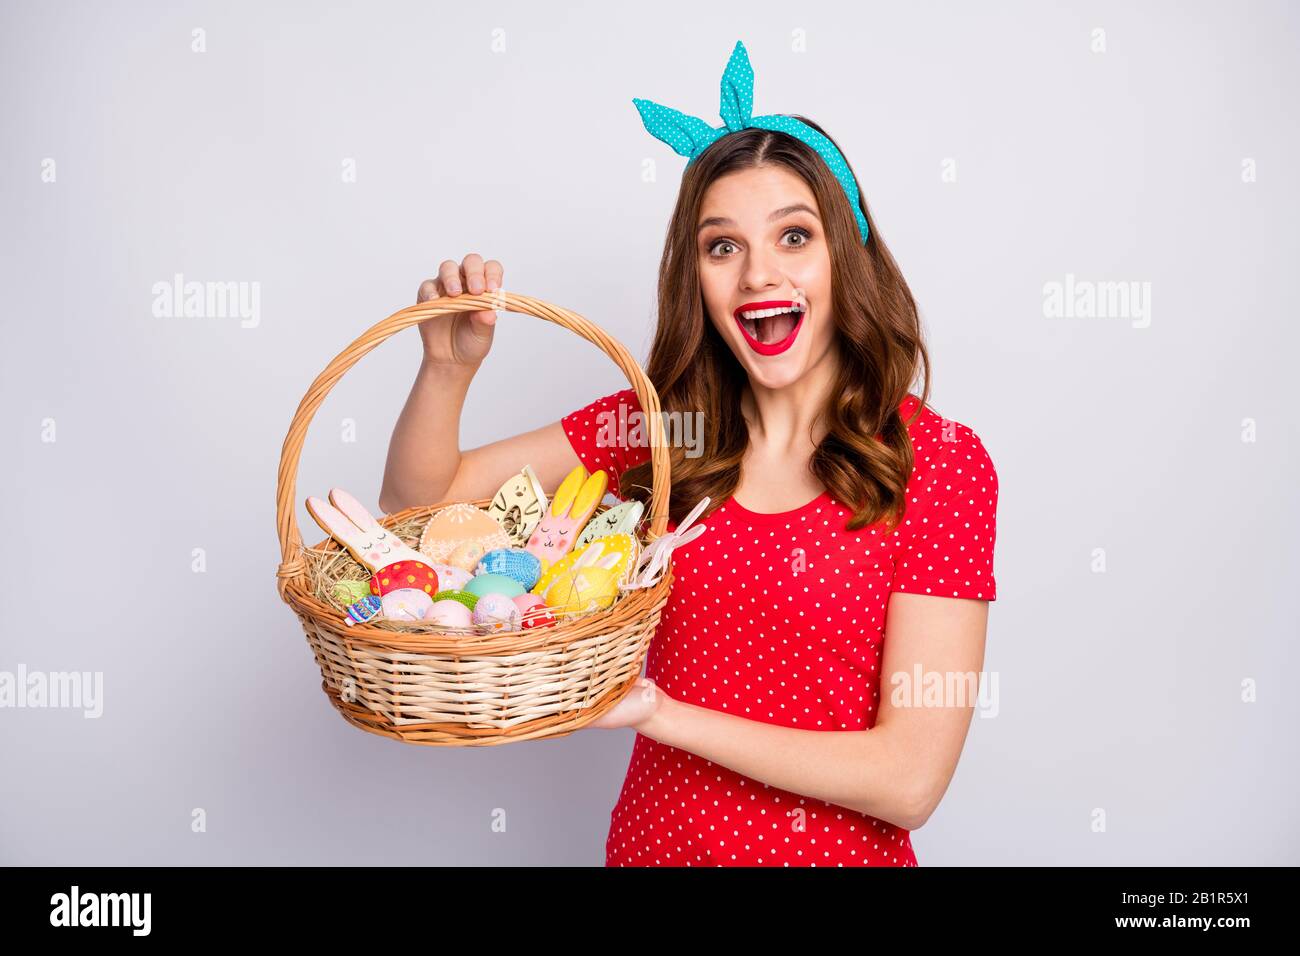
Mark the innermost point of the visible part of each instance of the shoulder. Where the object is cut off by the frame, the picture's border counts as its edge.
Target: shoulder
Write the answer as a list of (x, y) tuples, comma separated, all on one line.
[(607, 434), (625, 397), (949, 524), (946, 452), (606, 408)]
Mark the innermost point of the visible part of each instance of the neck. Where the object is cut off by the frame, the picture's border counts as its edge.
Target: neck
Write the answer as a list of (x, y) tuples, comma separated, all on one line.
[(787, 419)]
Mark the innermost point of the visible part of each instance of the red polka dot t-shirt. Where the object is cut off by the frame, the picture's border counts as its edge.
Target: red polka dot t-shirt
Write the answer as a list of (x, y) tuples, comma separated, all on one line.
[(780, 618)]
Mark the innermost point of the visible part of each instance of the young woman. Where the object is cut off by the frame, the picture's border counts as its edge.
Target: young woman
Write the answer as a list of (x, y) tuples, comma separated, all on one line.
[(848, 560)]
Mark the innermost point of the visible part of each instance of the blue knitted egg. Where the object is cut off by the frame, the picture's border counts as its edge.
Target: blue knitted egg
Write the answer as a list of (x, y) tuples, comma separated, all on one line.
[(523, 566)]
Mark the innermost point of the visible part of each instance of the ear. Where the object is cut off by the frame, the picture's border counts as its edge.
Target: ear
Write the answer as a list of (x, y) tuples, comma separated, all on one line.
[(335, 523), (567, 491), (633, 519), (590, 554), (610, 561), (593, 489), (359, 516)]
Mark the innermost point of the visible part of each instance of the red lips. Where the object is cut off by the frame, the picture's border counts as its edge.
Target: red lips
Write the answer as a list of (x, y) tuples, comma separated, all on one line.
[(770, 348)]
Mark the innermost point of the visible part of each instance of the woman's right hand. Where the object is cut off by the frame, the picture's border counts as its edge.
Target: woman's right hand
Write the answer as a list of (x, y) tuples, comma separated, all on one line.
[(460, 338)]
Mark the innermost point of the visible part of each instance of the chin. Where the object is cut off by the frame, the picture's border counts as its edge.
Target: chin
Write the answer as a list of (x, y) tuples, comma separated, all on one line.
[(772, 373)]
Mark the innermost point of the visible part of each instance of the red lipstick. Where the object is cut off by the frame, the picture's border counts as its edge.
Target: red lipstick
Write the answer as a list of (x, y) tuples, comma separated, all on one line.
[(771, 348)]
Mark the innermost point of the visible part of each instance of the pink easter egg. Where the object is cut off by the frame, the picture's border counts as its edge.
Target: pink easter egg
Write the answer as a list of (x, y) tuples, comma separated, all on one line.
[(406, 604), (496, 612), (450, 578), (449, 613), (528, 600), (530, 617), (467, 555)]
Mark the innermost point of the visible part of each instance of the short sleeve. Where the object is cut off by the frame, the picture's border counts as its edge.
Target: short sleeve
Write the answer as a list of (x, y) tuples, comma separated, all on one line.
[(949, 528), (609, 434)]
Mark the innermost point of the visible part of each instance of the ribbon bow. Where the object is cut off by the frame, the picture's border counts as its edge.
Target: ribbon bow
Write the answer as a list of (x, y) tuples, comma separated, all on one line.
[(690, 136), (653, 559)]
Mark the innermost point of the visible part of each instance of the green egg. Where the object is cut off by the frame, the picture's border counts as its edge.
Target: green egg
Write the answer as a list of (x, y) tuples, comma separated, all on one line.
[(464, 597), (482, 584)]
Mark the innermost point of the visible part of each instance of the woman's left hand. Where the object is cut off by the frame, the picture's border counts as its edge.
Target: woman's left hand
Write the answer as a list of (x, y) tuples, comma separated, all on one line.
[(642, 700)]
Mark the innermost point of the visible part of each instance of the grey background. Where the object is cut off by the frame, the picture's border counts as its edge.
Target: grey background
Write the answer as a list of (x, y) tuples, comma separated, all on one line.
[(1119, 690)]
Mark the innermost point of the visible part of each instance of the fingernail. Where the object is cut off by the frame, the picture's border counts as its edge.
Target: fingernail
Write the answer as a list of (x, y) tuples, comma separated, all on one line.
[(492, 285), (475, 286)]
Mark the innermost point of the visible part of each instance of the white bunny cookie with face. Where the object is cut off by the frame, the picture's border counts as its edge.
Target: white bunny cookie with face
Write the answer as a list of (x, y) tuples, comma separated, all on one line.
[(401, 579)]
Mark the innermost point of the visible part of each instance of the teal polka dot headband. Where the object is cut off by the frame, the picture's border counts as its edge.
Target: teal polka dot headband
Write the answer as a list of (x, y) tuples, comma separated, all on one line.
[(690, 136)]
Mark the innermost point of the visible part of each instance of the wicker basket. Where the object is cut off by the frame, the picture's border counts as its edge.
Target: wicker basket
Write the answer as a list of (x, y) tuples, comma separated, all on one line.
[(442, 689)]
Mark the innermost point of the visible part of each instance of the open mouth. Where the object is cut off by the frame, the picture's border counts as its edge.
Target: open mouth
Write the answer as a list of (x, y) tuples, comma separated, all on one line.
[(771, 327)]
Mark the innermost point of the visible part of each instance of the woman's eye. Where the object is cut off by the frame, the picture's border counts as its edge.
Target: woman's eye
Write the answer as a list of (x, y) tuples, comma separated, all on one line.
[(803, 234)]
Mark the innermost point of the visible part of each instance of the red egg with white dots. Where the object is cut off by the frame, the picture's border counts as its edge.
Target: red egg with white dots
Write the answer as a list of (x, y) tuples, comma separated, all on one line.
[(533, 610)]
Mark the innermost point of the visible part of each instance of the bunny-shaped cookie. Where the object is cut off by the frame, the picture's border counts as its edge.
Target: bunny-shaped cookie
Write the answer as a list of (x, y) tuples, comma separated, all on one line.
[(574, 502), (401, 578), (589, 578)]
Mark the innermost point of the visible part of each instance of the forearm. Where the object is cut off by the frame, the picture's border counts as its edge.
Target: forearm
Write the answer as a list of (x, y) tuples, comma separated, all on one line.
[(424, 451), (865, 770)]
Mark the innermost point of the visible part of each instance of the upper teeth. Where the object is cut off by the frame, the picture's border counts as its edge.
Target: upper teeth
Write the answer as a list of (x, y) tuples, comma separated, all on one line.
[(764, 313)]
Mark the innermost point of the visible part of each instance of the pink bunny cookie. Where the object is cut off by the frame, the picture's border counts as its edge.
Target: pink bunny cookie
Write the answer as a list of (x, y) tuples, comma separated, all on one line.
[(401, 577), (574, 502)]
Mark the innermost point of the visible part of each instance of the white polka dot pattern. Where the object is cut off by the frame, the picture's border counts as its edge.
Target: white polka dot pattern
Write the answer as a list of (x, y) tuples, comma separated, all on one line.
[(690, 136), (780, 618)]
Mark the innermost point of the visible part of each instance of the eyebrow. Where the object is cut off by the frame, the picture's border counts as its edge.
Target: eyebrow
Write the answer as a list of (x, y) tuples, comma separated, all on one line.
[(779, 214)]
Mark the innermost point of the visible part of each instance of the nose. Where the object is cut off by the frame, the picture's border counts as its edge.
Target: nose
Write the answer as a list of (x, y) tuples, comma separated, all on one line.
[(760, 271)]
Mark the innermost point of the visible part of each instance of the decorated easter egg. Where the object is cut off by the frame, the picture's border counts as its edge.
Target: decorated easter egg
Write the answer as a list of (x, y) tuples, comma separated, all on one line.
[(457, 525), (350, 592), (496, 612), (406, 604), (464, 597), (533, 611), (524, 566), (621, 519), (484, 584), (518, 505), (450, 613), (400, 575), (450, 578), (467, 555), (526, 601)]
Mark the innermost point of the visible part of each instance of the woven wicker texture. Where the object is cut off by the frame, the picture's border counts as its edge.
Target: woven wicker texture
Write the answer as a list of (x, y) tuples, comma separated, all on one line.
[(414, 684)]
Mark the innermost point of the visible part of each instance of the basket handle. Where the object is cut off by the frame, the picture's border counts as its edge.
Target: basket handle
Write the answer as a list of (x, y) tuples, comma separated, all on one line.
[(292, 564)]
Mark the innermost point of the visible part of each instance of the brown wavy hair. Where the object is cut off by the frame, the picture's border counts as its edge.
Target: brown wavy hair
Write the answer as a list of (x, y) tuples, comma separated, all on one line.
[(878, 338)]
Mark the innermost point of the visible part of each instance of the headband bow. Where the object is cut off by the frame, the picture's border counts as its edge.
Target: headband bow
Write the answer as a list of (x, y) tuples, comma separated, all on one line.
[(690, 136)]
